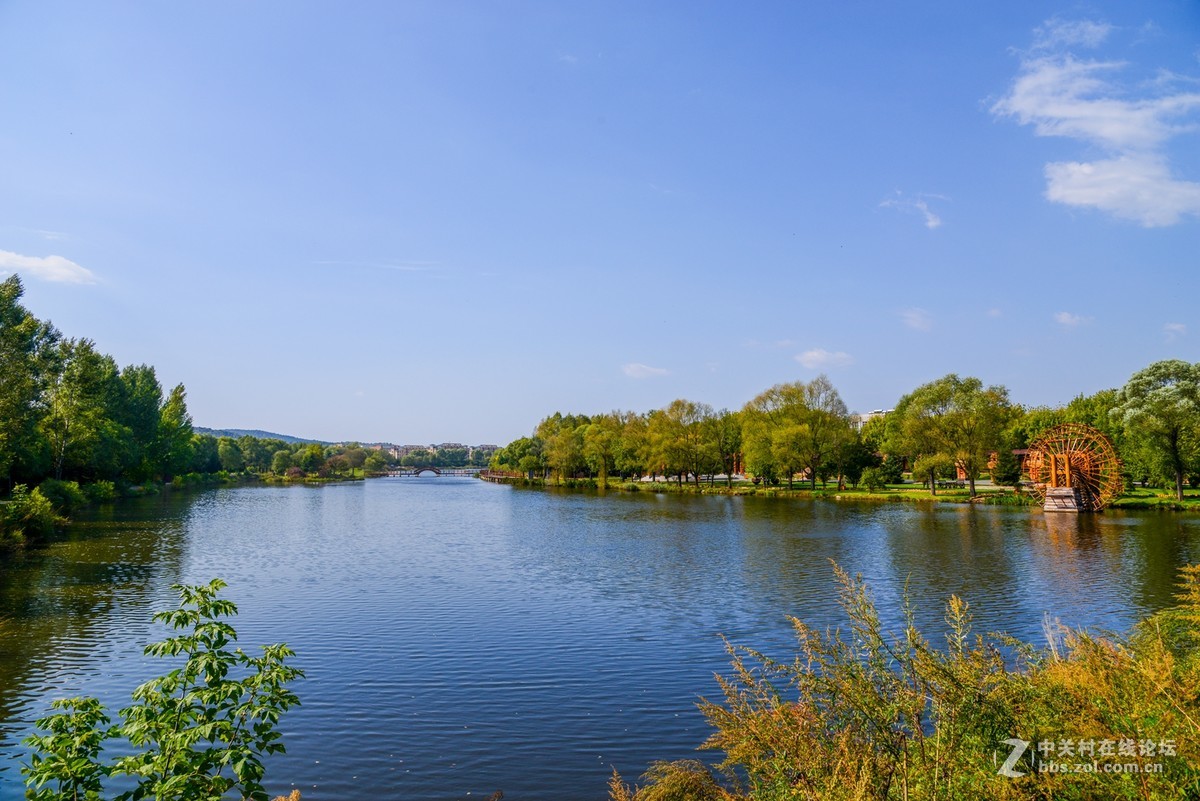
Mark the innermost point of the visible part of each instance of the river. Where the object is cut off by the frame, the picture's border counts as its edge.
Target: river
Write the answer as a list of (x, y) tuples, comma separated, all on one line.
[(461, 637)]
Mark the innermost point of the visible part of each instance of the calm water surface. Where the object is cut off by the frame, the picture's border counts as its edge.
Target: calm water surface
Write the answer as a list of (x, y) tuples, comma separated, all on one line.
[(461, 637)]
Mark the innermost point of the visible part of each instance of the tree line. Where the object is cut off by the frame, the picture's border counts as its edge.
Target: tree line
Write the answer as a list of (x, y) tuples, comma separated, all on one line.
[(76, 427), (953, 426)]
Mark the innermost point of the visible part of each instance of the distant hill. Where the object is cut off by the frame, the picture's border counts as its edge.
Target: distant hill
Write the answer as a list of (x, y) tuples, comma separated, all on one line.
[(254, 432)]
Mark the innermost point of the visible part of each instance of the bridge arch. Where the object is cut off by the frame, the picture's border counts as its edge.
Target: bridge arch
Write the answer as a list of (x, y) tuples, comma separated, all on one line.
[(419, 470)]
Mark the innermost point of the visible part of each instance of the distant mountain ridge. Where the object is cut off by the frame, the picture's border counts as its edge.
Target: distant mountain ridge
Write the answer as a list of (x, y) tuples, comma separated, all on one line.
[(255, 432)]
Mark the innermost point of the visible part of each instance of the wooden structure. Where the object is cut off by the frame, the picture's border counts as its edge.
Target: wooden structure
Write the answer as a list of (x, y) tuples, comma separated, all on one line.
[(1073, 468)]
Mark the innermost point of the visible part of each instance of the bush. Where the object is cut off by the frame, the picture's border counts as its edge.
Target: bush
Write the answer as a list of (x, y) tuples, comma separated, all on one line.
[(862, 715), (198, 733), (100, 492), (65, 496), (28, 514), (873, 479)]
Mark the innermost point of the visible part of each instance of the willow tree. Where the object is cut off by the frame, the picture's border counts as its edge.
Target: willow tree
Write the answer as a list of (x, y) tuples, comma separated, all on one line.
[(1159, 409), (795, 426), (952, 418)]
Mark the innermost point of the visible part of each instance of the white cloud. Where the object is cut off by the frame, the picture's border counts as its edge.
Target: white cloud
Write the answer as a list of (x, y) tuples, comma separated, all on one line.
[(46, 268), (1054, 33), (994, 313), (1061, 95), (819, 357), (1174, 331), (917, 319), (1068, 320), (638, 370), (1133, 187), (916, 205)]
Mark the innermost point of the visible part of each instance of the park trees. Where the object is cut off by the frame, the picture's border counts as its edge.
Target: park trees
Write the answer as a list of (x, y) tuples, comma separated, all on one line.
[(800, 425), (723, 432), (601, 440), (676, 439), (950, 420), (1159, 410), (563, 438)]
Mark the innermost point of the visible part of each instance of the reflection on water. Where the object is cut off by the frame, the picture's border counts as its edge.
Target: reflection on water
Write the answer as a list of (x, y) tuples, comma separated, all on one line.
[(456, 634)]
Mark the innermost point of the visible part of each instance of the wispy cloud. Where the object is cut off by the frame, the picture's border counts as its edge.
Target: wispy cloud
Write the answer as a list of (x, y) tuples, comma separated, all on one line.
[(994, 313), (46, 268), (639, 370), (1069, 319), (917, 319), (818, 358), (1057, 33), (1174, 331), (52, 236), (1062, 95), (915, 205)]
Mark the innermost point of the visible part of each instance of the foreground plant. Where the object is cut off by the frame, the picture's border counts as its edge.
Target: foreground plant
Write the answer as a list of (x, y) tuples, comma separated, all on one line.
[(200, 732), (861, 715)]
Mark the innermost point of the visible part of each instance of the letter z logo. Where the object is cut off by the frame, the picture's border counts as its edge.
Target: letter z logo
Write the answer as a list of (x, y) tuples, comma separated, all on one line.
[(1018, 748)]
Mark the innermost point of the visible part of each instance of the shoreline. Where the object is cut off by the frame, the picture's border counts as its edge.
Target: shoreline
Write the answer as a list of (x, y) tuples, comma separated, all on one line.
[(1137, 500)]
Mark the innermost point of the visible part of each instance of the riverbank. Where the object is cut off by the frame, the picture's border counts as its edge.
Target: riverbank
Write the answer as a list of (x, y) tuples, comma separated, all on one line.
[(1140, 499)]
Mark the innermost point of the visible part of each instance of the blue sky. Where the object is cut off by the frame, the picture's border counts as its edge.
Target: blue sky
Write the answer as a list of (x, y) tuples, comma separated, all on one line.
[(419, 222)]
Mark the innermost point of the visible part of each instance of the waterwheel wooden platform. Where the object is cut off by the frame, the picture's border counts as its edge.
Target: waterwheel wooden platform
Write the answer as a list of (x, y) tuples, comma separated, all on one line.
[(1073, 468)]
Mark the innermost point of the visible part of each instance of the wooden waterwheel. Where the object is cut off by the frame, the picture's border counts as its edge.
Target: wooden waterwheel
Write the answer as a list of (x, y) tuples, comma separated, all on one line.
[(1073, 456)]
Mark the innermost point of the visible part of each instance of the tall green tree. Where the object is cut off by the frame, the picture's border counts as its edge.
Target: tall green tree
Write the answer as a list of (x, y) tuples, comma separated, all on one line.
[(601, 439), (677, 438), (26, 355), (75, 404), (1159, 409), (140, 411), (795, 426), (955, 418), (723, 437), (174, 442)]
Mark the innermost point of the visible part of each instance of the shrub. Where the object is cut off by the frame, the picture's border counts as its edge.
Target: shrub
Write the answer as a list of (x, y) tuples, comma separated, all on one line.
[(197, 732), (65, 496), (28, 514), (100, 492), (873, 479), (862, 715)]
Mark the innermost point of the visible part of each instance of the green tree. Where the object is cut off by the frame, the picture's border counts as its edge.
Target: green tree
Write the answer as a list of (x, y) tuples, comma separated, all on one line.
[(140, 412), (205, 458), (281, 461), (677, 438), (633, 445), (955, 418), (723, 440), (601, 438), (26, 350), (1159, 409), (563, 438), (794, 426), (310, 457), (75, 410), (174, 444), (230, 455)]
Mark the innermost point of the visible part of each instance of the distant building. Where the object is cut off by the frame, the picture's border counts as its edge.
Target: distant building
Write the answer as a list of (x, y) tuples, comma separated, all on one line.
[(860, 420)]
